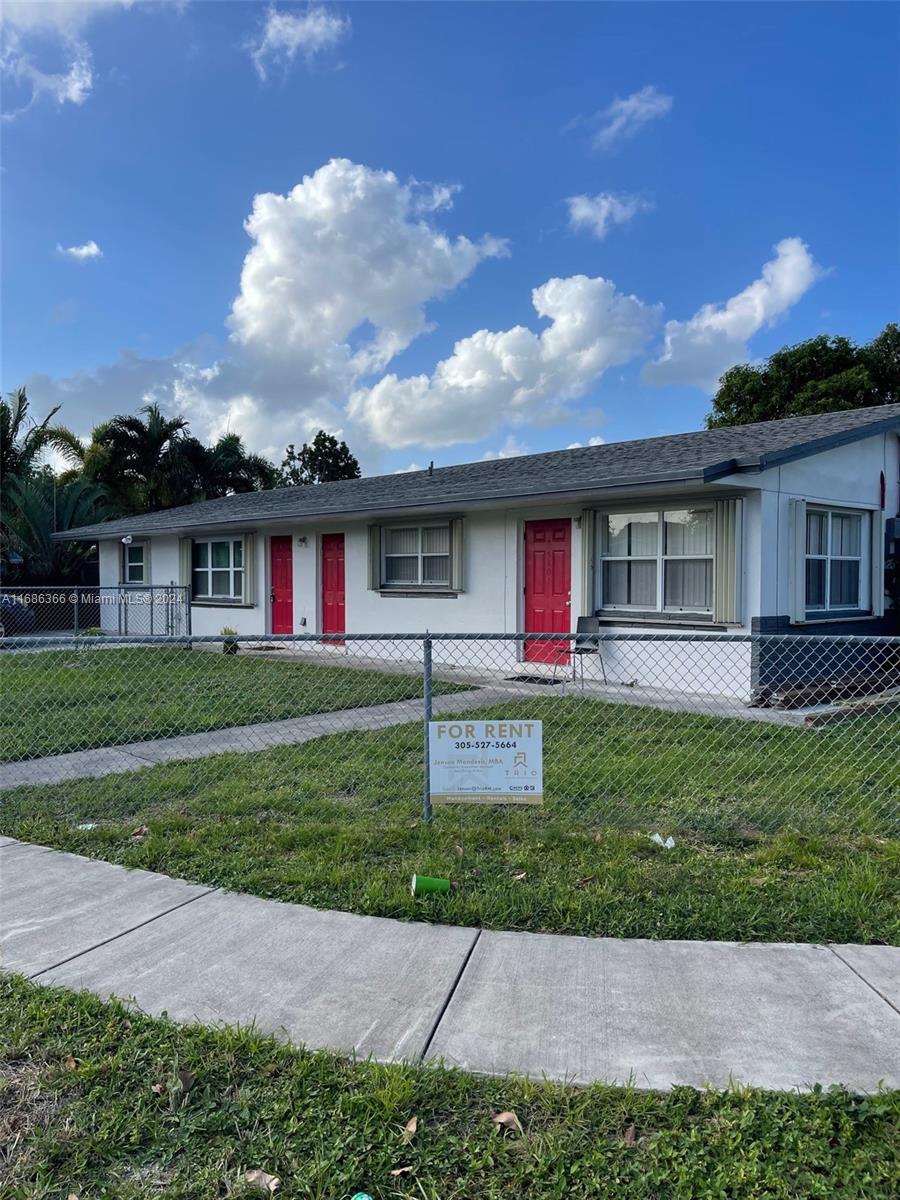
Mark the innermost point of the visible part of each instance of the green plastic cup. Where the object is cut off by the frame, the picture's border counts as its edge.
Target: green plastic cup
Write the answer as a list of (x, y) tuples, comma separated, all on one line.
[(427, 885)]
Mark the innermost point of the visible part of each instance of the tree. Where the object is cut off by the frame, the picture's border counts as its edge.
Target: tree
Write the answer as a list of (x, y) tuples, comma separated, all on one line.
[(145, 461), (323, 460), (226, 468), (38, 507), (151, 461), (23, 441), (824, 374)]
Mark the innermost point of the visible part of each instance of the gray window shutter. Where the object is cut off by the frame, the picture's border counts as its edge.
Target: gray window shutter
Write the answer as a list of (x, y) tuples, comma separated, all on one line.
[(148, 575), (457, 559), (588, 539), (797, 573), (728, 564), (877, 564), (249, 568), (186, 563), (374, 558)]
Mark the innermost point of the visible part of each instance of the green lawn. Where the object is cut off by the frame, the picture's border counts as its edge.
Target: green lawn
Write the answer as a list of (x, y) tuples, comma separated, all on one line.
[(92, 1104), (335, 823), (95, 696)]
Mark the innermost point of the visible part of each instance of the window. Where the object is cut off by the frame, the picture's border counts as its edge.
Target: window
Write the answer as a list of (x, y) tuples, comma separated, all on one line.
[(217, 570), (660, 561), (836, 546), (416, 556), (133, 564)]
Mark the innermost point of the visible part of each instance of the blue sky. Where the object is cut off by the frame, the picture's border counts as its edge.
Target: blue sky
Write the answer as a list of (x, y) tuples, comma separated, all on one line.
[(432, 289)]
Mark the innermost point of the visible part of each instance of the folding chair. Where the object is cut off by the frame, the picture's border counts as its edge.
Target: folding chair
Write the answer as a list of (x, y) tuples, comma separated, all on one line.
[(586, 642)]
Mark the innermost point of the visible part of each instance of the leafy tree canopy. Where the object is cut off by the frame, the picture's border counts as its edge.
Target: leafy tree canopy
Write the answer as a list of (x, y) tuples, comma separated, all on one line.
[(23, 440), (824, 374), (323, 460)]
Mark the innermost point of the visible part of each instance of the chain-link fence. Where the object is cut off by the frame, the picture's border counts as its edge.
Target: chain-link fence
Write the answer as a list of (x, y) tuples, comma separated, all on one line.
[(84, 610), (711, 735)]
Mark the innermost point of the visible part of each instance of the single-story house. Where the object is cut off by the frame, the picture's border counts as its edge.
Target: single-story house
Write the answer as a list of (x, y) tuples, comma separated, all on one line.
[(773, 527)]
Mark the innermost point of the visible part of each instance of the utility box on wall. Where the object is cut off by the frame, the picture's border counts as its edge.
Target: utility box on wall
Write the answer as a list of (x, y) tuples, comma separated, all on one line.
[(892, 537)]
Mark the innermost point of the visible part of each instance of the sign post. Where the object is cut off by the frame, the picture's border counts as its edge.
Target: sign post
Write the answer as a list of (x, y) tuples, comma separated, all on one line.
[(485, 762)]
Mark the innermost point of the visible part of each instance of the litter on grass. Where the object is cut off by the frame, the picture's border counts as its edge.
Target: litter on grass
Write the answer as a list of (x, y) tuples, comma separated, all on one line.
[(425, 885), (668, 844)]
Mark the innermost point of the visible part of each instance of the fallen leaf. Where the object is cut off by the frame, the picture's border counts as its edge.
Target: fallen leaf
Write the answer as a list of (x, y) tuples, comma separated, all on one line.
[(401, 1171), (458, 850), (630, 1134), (73, 1196), (508, 1121), (586, 881), (262, 1180), (758, 880), (187, 1079), (71, 1063), (160, 1089), (519, 876), (409, 1131), (139, 834)]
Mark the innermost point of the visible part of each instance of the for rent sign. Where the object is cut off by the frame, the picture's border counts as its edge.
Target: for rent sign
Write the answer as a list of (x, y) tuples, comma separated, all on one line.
[(486, 762)]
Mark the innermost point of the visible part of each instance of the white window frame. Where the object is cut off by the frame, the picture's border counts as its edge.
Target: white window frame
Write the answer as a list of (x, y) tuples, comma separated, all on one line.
[(660, 558), (209, 597), (864, 604), (127, 581), (420, 582)]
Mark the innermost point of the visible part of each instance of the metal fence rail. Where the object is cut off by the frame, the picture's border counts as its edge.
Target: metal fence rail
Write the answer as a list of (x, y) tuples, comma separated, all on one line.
[(689, 732), (81, 609)]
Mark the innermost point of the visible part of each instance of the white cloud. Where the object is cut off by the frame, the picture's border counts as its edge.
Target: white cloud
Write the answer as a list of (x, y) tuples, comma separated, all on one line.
[(80, 253), (346, 252), (698, 350), (336, 283), (284, 35), (516, 376), (593, 441), (597, 214), (511, 448), (35, 34), (624, 117)]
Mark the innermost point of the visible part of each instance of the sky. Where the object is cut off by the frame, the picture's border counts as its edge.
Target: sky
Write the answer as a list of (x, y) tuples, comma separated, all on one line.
[(443, 231)]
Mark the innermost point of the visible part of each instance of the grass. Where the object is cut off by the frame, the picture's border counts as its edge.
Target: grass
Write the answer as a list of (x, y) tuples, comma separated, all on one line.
[(92, 1104), (334, 823), (75, 699)]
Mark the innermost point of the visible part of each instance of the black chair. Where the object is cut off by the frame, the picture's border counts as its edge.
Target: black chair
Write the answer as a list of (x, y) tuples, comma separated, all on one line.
[(586, 642)]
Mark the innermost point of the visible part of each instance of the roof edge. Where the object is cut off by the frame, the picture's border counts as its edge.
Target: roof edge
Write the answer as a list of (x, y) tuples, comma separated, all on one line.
[(96, 532)]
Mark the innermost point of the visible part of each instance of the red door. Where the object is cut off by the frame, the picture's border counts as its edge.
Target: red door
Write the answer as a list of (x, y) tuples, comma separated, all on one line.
[(548, 587), (333, 583), (282, 597)]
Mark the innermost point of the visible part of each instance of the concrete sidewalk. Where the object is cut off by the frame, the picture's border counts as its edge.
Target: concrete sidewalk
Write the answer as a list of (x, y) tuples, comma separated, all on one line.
[(578, 1009)]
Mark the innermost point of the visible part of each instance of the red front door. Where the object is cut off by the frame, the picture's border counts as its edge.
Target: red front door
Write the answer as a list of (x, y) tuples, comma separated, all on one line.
[(548, 587), (282, 597), (333, 583)]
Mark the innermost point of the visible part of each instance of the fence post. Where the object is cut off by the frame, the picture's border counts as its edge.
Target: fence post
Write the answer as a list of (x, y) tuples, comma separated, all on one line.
[(77, 597), (427, 695)]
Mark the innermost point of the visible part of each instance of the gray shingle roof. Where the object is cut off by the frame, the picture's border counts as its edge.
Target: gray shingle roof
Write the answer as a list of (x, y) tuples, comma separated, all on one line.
[(702, 456)]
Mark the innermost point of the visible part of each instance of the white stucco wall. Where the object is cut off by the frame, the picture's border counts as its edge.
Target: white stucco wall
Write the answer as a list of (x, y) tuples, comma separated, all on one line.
[(847, 475), (492, 599)]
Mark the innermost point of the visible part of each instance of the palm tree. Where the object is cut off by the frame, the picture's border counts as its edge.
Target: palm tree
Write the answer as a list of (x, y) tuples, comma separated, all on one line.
[(146, 461), (41, 507), (22, 441), (230, 468)]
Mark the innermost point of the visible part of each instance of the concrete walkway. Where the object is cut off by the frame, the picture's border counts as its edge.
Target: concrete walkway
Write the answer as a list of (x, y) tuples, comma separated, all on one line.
[(117, 760), (579, 1009), (134, 756)]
